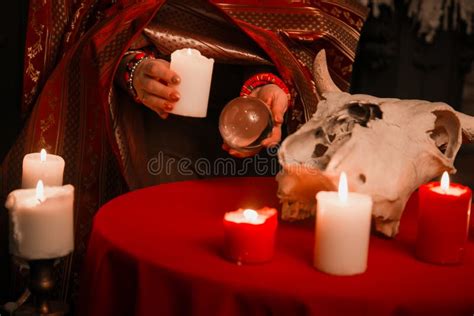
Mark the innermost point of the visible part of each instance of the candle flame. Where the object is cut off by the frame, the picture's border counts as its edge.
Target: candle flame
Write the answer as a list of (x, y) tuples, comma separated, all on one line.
[(250, 215), (445, 182), (343, 187), (40, 191), (43, 155)]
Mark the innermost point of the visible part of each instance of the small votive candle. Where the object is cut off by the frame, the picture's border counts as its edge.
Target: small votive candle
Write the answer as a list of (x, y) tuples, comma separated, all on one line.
[(250, 235), (443, 221)]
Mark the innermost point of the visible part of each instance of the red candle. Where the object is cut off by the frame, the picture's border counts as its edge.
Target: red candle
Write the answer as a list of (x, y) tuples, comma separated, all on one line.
[(443, 221), (250, 235)]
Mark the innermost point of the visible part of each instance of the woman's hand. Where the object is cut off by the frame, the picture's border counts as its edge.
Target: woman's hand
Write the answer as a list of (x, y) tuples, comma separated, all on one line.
[(277, 101), (154, 84)]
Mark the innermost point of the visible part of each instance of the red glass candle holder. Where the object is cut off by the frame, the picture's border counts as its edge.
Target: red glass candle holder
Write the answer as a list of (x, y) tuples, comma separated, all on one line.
[(250, 239), (443, 223)]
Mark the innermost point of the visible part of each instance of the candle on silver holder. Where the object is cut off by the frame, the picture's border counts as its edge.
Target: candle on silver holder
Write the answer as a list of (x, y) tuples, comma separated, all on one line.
[(41, 222), (41, 285)]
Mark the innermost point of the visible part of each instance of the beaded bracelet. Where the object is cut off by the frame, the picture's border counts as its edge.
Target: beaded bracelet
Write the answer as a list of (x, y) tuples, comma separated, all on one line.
[(262, 79), (130, 68)]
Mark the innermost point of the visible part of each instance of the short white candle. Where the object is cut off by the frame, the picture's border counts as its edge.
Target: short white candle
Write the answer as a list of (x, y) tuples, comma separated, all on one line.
[(49, 168), (195, 71), (41, 222), (342, 231)]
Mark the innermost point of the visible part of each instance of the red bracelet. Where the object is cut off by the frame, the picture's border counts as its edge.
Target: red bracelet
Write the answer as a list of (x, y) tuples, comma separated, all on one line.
[(130, 68), (262, 79)]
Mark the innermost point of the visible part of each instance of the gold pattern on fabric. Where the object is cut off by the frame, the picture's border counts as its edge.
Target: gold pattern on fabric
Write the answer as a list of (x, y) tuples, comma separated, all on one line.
[(301, 21), (350, 6), (45, 125), (112, 49), (60, 20), (74, 21), (32, 51), (181, 24)]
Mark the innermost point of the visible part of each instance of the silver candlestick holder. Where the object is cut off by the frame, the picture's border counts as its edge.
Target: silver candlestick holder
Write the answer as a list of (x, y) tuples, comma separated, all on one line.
[(41, 285)]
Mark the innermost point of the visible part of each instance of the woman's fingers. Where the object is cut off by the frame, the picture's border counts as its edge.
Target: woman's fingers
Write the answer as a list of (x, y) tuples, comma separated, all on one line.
[(152, 86), (274, 137), (160, 69), (279, 106), (239, 154), (162, 114), (157, 104), (275, 98)]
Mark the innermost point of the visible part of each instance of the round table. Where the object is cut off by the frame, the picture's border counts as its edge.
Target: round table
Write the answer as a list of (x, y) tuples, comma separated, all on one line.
[(158, 251)]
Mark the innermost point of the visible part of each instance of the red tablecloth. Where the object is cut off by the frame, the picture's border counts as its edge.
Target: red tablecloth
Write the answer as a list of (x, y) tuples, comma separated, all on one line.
[(157, 251)]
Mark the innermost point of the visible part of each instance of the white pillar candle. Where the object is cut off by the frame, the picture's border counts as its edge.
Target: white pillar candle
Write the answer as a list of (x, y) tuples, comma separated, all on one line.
[(42, 166), (195, 71), (342, 231), (41, 222)]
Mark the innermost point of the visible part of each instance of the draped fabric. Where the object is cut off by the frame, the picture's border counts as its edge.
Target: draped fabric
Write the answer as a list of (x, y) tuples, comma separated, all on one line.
[(72, 108)]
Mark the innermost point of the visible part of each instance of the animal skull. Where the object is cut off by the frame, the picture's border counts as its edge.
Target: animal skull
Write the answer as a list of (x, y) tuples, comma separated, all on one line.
[(387, 147)]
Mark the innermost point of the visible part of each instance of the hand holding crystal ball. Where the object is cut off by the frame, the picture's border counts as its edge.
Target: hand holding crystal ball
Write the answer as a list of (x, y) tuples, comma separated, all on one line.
[(245, 122)]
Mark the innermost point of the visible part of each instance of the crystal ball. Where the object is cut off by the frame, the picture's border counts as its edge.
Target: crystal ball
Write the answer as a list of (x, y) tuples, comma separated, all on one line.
[(244, 122)]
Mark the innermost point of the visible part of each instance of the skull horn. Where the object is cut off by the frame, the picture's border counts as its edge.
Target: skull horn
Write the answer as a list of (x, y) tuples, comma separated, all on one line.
[(467, 125), (321, 74)]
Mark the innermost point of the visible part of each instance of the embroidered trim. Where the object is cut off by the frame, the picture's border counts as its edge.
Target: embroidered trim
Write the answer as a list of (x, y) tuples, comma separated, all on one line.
[(262, 79), (130, 68)]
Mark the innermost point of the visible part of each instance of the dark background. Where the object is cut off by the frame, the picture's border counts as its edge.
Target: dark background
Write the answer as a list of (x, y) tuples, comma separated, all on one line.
[(12, 37), (13, 17), (392, 61)]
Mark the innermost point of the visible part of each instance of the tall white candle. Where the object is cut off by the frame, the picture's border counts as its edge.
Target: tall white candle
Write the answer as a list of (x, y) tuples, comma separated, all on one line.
[(42, 166), (41, 222), (195, 71), (342, 231)]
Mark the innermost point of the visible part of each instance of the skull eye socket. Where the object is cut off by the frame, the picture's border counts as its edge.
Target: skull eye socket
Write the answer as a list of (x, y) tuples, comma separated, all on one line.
[(319, 132), (445, 132), (364, 112), (320, 150)]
